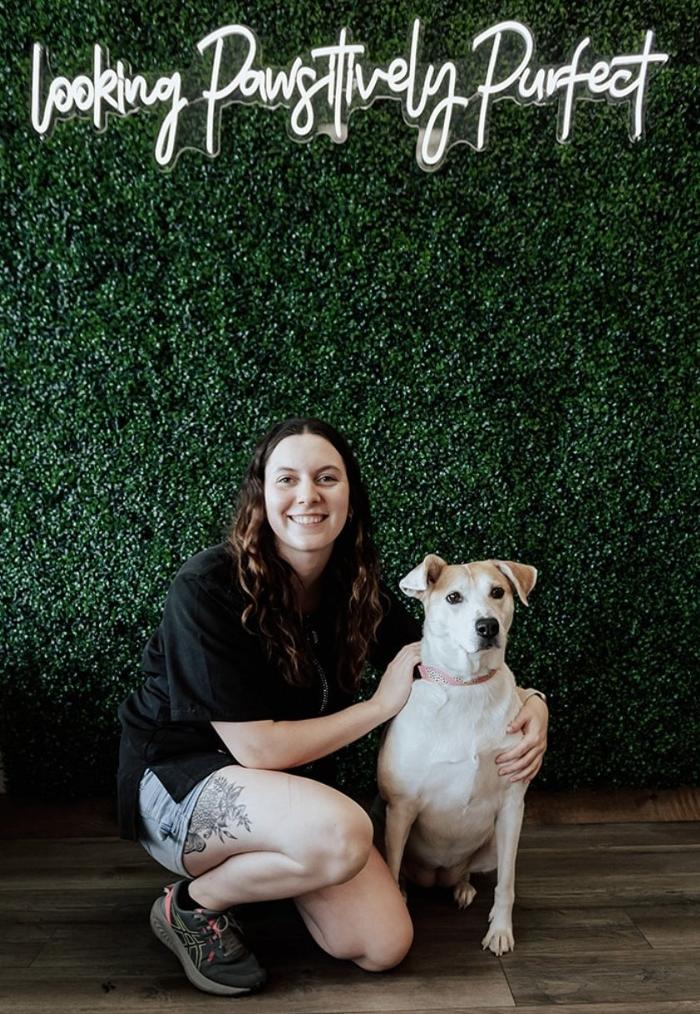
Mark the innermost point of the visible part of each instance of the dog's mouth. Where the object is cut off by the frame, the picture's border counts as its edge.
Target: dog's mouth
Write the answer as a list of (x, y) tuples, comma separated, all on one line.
[(487, 643), (482, 648)]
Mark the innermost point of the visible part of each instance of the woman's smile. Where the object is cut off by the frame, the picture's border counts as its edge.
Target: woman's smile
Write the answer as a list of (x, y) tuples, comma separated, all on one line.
[(307, 519)]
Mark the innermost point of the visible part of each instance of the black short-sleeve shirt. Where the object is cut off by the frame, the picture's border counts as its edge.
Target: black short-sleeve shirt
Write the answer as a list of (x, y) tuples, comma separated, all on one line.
[(202, 665)]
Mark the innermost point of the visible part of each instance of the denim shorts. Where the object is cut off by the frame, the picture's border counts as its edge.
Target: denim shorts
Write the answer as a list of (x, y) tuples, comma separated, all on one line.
[(163, 823)]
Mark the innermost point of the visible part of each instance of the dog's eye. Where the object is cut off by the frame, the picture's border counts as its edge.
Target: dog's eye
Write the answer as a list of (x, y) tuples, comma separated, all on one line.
[(454, 597), (497, 592)]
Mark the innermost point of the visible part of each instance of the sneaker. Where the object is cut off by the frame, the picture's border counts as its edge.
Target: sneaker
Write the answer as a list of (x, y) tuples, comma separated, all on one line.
[(209, 944)]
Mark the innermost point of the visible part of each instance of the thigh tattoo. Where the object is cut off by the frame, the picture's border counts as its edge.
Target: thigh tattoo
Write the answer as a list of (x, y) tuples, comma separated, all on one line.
[(216, 813)]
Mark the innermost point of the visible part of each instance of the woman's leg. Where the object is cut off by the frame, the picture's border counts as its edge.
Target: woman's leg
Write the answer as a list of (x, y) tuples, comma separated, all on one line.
[(257, 835), (364, 920)]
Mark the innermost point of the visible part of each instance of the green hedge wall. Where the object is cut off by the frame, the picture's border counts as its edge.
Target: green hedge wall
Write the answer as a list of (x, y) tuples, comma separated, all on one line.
[(509, 344)]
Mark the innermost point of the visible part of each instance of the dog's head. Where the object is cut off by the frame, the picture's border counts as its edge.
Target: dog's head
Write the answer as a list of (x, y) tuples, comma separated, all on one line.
[(469, 606)]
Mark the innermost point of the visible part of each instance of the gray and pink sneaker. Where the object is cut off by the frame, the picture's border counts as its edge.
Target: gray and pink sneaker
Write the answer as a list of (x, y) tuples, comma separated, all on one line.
[(209, 944)]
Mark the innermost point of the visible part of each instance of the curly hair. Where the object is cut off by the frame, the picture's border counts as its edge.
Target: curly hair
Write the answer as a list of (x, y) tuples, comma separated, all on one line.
[(269, 583)]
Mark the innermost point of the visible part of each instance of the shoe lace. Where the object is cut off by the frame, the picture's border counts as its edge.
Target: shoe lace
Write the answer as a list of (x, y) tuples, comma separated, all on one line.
[(226, 935)]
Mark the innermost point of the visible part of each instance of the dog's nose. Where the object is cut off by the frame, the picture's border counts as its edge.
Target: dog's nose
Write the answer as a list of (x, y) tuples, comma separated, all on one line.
[(487, 627)]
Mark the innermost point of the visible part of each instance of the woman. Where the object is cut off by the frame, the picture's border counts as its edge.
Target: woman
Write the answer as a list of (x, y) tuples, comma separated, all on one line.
[(226, 763)]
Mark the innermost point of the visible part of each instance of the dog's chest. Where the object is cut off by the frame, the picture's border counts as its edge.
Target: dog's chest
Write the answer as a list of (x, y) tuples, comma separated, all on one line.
[(461, 766), (442, 747)]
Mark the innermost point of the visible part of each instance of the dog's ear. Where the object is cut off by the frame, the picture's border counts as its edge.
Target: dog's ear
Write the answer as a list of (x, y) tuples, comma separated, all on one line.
[(521, 575), (421, 577)]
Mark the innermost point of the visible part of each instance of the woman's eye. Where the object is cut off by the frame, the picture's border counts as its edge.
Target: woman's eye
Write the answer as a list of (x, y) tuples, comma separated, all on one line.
[(497, 593), (286, 479), (453, 598)]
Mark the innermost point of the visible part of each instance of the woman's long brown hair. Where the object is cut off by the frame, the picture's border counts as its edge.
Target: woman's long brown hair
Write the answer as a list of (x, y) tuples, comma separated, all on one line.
[(269, 584)]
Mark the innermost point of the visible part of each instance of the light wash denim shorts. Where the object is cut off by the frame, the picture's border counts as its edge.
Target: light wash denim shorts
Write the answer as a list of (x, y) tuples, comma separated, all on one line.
[(163, 823)]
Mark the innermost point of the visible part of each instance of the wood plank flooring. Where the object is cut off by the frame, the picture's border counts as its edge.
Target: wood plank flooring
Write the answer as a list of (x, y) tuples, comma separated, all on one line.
[(607, 921)]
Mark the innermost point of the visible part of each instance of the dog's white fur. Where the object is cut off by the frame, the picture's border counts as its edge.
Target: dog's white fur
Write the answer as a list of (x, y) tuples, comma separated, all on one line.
[(449, 813)]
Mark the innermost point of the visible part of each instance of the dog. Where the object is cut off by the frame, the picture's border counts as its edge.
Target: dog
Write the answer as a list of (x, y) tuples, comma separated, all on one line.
[(448, 811)]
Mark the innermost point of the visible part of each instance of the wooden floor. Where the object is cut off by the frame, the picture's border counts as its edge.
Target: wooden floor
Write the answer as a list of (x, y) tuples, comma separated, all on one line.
[(606, 922)]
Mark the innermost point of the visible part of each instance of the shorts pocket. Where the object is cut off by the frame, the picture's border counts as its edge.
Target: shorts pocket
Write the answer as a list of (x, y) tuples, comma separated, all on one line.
[(165, 830), (170, 828)]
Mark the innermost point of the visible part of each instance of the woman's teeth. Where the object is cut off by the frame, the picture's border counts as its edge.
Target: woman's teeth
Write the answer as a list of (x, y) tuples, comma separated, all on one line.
[(308, 519)]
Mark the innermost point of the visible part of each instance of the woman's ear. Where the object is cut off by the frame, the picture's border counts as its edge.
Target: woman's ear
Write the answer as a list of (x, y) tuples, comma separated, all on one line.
[(417, 582)]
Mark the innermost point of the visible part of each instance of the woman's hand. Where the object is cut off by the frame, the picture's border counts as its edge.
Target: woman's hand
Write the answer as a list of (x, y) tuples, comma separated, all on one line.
[(524, 761), (395, 685)]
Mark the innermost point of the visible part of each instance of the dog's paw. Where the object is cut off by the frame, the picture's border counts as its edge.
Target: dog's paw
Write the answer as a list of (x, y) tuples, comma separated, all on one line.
[(464, 894), (499, 939)]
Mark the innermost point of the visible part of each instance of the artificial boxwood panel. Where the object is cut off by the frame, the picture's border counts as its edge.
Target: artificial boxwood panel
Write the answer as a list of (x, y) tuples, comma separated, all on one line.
[(508, 343)]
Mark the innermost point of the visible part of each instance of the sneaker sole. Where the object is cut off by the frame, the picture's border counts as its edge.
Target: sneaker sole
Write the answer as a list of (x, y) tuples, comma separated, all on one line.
[(162, 929)]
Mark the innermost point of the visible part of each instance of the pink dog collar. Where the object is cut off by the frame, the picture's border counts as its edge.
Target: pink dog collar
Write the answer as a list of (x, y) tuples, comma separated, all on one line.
[(435, 675)]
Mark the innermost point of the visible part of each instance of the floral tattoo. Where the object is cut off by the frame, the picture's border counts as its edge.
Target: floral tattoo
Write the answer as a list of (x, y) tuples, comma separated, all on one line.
[(216, 813)]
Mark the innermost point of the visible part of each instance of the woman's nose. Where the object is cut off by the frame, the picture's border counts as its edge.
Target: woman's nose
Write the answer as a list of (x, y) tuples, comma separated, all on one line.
[(307, 492)]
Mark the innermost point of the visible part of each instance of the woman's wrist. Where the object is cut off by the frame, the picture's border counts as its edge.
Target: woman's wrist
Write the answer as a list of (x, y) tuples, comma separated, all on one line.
[(378, 714), (529, 694)]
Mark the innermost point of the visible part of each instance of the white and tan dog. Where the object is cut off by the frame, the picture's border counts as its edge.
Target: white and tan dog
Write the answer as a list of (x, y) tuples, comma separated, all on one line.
[(448, 811)]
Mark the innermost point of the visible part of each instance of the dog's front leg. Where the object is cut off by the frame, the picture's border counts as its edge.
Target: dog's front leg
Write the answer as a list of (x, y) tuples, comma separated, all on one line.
[(499, 938), (400, 815)]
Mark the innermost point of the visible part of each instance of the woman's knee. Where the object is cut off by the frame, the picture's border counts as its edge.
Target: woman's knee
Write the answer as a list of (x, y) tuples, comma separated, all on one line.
[(388, 951), (341, 842)]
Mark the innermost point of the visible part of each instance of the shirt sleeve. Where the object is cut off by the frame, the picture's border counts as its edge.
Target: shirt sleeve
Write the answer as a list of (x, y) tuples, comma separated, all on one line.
[(397, 628), (215, 668)]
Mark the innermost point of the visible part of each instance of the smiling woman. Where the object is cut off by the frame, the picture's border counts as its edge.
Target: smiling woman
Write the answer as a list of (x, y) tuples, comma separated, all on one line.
[(227, 773)]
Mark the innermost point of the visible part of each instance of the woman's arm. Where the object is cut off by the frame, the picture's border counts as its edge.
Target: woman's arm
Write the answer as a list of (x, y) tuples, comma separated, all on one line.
[(276, 746)]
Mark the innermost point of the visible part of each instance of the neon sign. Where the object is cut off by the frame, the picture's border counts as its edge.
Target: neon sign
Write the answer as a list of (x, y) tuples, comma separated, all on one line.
[(450, 103)]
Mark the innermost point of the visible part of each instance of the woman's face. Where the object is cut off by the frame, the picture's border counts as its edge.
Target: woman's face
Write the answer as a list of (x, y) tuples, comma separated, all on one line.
[(307, 496)]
